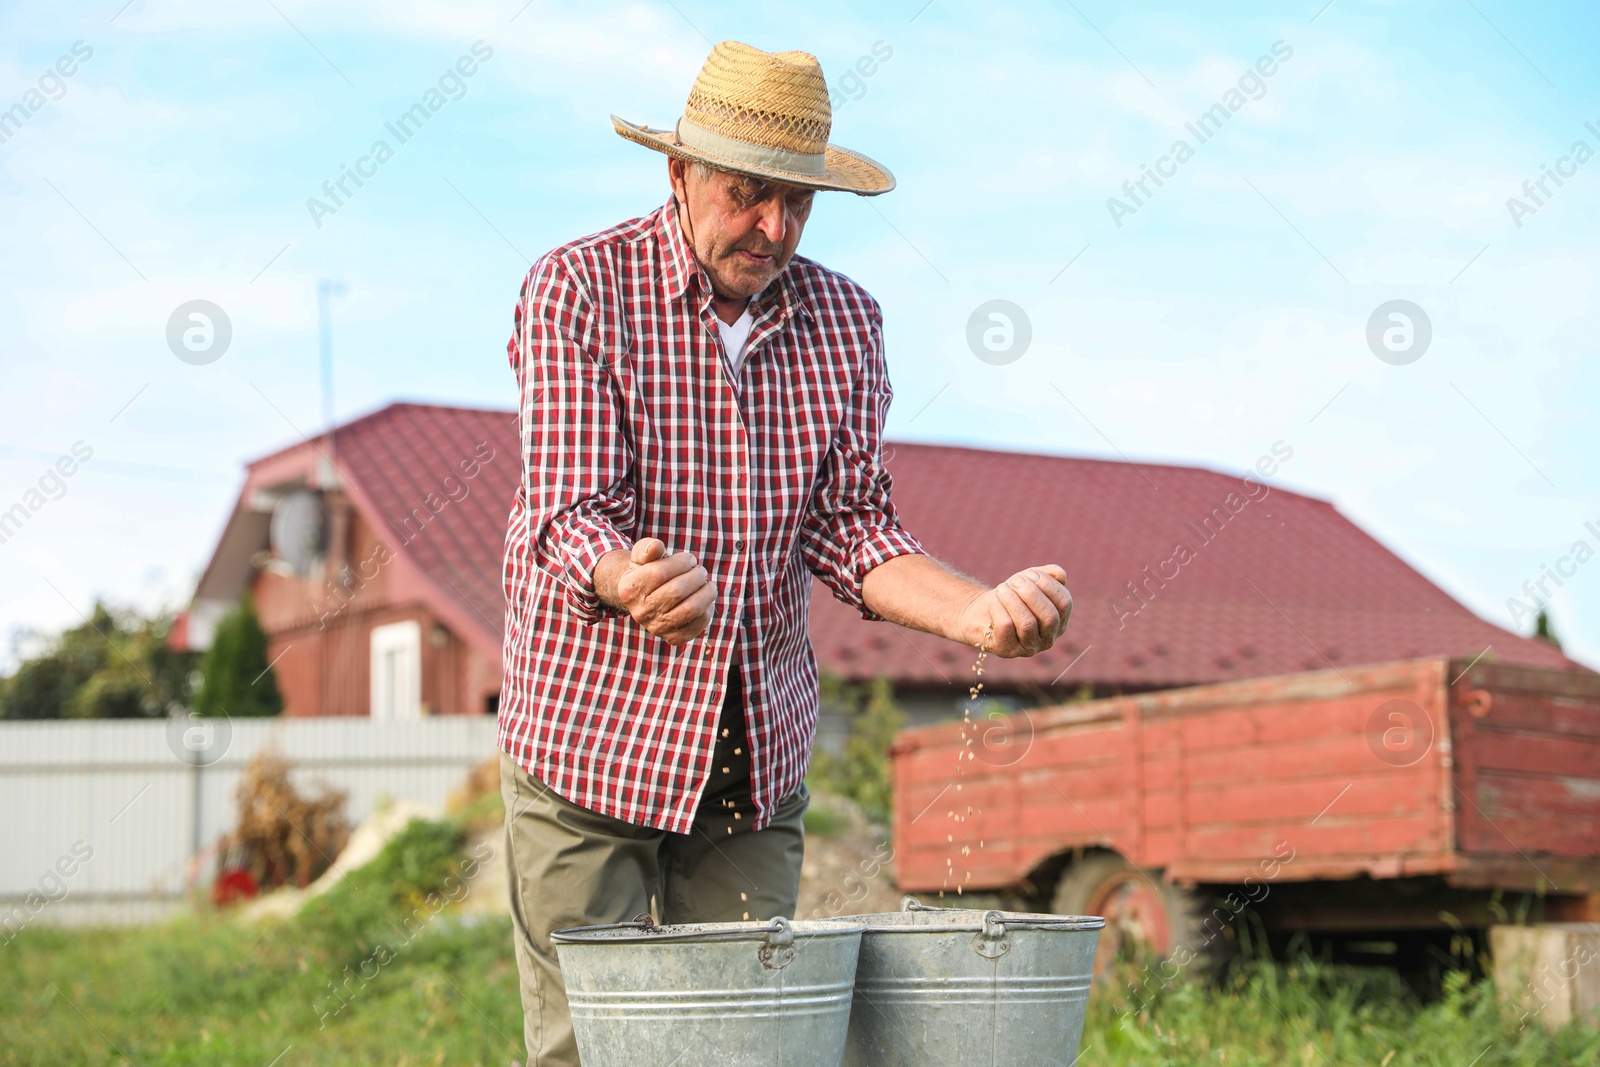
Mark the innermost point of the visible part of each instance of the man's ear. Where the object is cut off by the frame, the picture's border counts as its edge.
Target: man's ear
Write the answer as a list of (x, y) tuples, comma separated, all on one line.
[(677, 175)]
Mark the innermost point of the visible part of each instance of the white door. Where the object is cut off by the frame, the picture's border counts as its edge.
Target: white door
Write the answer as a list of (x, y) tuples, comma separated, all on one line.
[(397, 671)]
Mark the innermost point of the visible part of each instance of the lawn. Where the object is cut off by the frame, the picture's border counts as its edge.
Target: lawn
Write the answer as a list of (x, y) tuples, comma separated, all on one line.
[(207, 991), (381, 971)]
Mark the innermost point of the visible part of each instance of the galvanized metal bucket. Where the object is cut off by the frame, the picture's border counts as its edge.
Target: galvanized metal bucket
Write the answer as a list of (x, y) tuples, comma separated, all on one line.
[(742, 994), (938, 987)]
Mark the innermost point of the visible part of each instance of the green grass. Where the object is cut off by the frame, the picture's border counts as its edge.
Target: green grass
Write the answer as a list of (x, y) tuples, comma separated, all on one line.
[(378, 970), (210, 991), (415, 877), (1311, 1014), (824, 822), (381, 971), (207, 990)]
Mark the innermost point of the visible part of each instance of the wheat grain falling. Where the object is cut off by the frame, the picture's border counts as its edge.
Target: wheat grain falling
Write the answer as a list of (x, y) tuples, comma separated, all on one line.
[(963, 757)]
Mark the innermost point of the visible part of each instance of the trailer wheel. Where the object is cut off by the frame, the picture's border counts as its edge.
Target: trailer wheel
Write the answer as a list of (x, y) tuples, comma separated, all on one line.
[(1144, 913)]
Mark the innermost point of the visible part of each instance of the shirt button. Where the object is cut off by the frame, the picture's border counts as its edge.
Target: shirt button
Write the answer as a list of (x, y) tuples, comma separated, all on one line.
[(738, 546)]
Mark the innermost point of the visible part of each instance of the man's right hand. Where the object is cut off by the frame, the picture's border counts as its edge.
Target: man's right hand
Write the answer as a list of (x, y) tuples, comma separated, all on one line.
[(670, 596)]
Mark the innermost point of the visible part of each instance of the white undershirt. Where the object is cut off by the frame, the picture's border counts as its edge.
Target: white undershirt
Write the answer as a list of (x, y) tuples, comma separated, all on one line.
[(734, 336)]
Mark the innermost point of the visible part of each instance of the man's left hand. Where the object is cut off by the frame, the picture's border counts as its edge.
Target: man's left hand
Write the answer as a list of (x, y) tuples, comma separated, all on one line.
[(1026, 612)]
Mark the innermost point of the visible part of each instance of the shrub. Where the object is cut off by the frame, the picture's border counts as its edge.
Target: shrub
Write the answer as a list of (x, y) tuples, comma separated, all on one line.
[(116, 665), (235, 677), (861, 772)]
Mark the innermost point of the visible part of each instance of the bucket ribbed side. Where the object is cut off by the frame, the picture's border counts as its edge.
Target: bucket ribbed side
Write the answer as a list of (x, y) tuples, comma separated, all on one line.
[(973, 990), (792, 1000)]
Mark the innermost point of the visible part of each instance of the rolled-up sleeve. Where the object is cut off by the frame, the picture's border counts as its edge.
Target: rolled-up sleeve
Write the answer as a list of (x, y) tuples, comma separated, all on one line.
[(851, 526), (576, 461)]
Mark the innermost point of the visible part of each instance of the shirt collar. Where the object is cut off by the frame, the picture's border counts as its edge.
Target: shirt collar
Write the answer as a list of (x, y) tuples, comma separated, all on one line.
[(679, 265), (681, 269)]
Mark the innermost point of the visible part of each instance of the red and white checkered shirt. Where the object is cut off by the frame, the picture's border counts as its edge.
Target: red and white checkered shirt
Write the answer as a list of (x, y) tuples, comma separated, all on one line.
[(631, 428)]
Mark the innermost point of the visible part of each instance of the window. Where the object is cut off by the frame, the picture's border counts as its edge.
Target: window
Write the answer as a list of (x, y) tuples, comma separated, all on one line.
[(397, 671)]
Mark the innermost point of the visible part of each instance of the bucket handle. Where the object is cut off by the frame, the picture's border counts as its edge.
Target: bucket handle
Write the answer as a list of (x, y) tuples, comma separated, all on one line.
[(991, 942), (777, 948), (1016, 922)]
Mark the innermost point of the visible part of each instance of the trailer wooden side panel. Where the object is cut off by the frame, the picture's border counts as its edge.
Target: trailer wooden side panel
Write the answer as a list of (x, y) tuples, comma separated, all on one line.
[(1309, 773), (1203, 783), (1528, 770)]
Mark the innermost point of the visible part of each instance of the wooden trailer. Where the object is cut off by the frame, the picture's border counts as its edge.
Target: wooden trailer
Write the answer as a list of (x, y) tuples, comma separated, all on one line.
[(1423, 795)]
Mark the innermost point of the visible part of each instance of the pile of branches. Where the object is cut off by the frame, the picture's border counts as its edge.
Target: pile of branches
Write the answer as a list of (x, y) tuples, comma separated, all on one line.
[(282, 838)]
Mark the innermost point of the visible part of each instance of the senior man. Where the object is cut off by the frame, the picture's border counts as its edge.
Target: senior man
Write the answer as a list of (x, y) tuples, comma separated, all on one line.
[(701, 418)]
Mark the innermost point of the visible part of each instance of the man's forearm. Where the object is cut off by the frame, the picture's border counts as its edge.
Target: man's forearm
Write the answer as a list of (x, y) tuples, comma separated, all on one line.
[(920, 592)]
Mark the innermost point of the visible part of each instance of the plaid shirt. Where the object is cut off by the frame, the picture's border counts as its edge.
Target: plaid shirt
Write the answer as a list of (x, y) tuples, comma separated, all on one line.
[(631, 428)]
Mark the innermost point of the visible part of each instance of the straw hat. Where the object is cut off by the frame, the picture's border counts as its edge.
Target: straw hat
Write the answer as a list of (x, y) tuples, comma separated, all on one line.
[(766, 114)]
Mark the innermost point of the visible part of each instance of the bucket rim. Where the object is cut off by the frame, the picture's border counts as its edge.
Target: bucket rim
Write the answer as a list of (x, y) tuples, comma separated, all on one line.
[(645, 931), (877, 923), (975, 919)]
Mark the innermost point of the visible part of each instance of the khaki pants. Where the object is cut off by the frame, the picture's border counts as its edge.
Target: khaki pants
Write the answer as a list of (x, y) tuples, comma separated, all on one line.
[(568, 866)]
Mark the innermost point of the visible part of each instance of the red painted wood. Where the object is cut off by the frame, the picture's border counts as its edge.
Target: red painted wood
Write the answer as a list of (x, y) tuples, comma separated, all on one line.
[(1533, 711), (1538, 754), (1347, 757), (1285, 803), (1529, 768), (1532, 815), (1080, 747), (1361, 837)]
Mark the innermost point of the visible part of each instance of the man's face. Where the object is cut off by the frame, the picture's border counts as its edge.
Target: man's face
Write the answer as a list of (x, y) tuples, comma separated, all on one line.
[(743, 229)]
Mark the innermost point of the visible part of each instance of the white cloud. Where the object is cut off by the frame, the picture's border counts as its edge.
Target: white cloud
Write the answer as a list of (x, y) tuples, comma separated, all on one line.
[(1444, 190)]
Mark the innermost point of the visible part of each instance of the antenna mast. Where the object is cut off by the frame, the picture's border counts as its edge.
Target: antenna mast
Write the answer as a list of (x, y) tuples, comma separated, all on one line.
[(326, 290)]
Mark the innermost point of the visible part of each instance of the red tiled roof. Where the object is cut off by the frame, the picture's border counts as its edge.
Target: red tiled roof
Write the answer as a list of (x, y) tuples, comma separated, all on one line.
[(399, 455), (1288, 583)]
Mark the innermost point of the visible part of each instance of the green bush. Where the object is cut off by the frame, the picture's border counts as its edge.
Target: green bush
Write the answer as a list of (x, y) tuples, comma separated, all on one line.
[(235, 678), (116, 665), (861, 772)]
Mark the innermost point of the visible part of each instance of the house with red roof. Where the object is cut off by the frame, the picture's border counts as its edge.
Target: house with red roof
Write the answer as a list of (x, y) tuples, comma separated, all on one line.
[(374, 553)]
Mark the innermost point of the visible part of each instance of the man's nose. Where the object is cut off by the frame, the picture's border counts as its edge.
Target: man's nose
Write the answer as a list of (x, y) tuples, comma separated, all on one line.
[(773, 219)]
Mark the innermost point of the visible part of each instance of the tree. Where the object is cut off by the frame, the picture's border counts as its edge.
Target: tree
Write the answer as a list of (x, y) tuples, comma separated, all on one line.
[(116, 665), (235, 677), (1542, 630)]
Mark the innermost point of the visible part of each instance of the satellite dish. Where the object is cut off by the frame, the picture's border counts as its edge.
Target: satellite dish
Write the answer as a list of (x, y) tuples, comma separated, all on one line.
[(296, 530)]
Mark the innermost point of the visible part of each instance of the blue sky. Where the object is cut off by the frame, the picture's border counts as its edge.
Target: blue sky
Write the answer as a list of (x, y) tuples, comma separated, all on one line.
[(1228, 311)]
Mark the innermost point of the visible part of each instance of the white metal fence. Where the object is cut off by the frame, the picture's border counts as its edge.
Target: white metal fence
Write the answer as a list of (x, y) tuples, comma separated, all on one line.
[(101, 821)]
